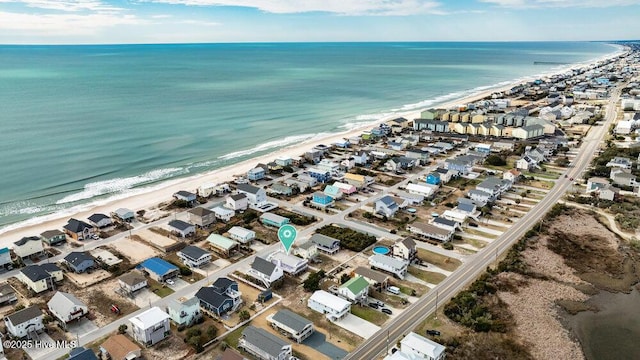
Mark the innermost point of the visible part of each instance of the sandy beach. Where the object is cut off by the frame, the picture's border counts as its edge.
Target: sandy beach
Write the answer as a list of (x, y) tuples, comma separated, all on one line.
[(163, 192)]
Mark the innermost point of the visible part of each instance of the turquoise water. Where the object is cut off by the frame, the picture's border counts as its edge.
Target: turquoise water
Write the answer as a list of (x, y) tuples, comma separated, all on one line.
[(84, 123), (382, 250)]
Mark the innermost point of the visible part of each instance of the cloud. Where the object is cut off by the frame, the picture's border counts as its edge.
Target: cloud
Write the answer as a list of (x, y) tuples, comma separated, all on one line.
[(63, 24), (67, 5), (532, 4), (342, 7)]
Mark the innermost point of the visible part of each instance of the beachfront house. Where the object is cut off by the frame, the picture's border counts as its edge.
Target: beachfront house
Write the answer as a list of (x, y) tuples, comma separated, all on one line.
[(66, 307), (201, 217), (5, 257), (420, 156), (386, 206), (291, 324), (289, 264), (132, 282), (100, 220), (25, 323), (411, 199), (392, 265), (405, 249), (270, 219), (221, 297), (241, 235), (193, 256), (256, 196), (333, 307), (222, 245), (321, 200), (27, 247), (355, 290), (325, 243), (159, 269), (78, 230), (400, 163), (150, 327), (284, 161), (265, 271), (264, 345), (124, 215), (184, 311), (181, 228), (79, 261), (186, 196), (119, 347), (306, 250), (256, 174), (429, 231), (345, 188), (376, 279), (53, 237), (223, 214), (237, 202)]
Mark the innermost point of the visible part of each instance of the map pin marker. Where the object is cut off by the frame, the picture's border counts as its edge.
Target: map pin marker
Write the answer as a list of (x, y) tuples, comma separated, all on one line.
[(287, 236)]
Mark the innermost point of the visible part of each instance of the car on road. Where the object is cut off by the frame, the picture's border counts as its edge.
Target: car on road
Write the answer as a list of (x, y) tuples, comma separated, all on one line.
[(433, 332), (170, 282), (95, 237), (373, 305), (386, 311), (472, 224)]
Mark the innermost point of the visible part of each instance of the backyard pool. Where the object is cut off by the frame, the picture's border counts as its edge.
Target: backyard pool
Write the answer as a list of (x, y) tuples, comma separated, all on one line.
[(382, 250)]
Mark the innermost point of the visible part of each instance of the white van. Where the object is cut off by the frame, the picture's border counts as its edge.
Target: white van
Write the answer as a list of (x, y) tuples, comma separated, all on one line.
[(394, 290)]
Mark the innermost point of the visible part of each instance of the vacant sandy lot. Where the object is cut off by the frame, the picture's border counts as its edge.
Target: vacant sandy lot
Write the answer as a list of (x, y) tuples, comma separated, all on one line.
[(155, 238), (84, 280), (134, 250)]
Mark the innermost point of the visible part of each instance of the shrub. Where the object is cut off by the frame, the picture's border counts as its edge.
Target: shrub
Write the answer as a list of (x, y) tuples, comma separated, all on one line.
[(122, 329), (495, 160), (244, 315), (312, 283), (344, 278), (447, 246), (349, 239)]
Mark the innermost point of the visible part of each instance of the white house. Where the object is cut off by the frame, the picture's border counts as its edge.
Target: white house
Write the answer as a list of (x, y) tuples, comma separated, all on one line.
[(325, 243), (28, 246), (405, 249), (256, 196), (481, 197), (241, 234), (416, 347), (446, 224), (193, 256), (237, 202), (389, 264), (25, 323), (386, 206), (150, 327), (333, 307), (429, 231), (182, 228), (293, 325), (223, 214), (66, 307), (264, 345), (355, 290), (265, 271), (422, 190), (306, 250), (132, 282), (290, 264)]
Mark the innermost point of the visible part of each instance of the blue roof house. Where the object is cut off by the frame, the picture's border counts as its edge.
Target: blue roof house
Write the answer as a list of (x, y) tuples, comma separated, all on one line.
[(5, 256), (160, 270), (433, 178), (322, 199), (320, 175), (256, 174)]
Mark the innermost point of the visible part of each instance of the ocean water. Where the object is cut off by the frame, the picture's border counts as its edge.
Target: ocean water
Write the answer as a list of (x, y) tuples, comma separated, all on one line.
[(80, 124)]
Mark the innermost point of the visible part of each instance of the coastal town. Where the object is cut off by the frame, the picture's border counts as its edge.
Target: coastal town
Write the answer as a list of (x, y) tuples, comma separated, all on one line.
[(390, 225)]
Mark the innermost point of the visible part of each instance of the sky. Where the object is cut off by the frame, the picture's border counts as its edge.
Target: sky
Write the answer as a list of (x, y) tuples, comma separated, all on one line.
[(188, 21)]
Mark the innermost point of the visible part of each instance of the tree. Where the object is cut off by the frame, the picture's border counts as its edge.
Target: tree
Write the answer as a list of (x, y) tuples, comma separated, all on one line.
[(312, 283), (344, 278), (244, 315), (495, 160), (122, 329)]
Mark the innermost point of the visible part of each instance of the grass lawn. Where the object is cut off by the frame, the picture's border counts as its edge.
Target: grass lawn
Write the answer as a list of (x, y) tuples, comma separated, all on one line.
[(159, 289), (428, 276), (480, 233), (393, 300), (544, 175), (478, 244), (234, 336), (369, 314), (441, 261)]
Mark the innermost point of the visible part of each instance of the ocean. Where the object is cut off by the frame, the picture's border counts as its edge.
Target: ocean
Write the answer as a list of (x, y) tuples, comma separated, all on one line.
[(81, 124)]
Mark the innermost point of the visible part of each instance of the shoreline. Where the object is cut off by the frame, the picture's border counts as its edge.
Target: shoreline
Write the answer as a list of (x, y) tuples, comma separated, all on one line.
[(150, 196)]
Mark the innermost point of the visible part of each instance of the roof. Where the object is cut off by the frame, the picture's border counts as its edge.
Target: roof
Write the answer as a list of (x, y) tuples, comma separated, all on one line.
[(97, 217), (273, 217), (221, 241), (25, 315), (178, 304), (51, 233), (26, 239), (149, 318), (132, 278), (223, 211), (374, 275), (479, 192), (248, 188), (77, 257), (77, 226), (306, 245), (324, 240), (6, 289), (230, 354), (124, 213), (240, 231), (356, 284), (180, 225), (158, 266), (408, 242), (598, 180), (82, 353), (200, 211), (388, 201), (212, 296), (430, 229), (430, 348), (388, 260), (330, 300), (291, 319), (64, 302), (49, 267), (186, 194), (443, 221), (264, 340), (35, 273), (263, 266), (466, 207), (286, 259), (194, 252), (223, 283), (118, 346)]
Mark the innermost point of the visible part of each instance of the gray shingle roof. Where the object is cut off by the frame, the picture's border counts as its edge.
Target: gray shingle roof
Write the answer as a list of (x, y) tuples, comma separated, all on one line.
[(324, 240), (77, 257), (248, 188), (263, 266), (26, 239), (97, 217), (194, 252), (200, 211), (179, 224), (25, 315), (35, 273), (64, 303), (444, 221), (264, 340), (77, 226), (51, 233), (291, 320)]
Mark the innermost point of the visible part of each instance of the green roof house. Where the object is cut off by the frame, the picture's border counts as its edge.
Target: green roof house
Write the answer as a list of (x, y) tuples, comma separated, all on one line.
[(355, 290)]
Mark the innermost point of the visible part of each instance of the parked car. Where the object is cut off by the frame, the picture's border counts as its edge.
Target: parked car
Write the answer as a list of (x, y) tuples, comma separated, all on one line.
[(95, 237), (387, 311), (170, 282), (373, 305), (433, 332), (472, 224)]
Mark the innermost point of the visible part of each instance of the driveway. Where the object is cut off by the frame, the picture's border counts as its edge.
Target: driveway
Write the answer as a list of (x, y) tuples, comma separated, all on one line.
[(178, 284), (84, 326), (358, 326), (35, 352), (318, 341), (144, 297)]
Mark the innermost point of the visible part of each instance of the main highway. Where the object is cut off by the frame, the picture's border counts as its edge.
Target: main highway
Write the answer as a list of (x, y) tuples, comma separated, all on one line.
[(416, 313)]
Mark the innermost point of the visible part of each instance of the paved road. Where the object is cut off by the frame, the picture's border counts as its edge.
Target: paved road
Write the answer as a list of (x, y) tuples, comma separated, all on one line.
[(418, 311)]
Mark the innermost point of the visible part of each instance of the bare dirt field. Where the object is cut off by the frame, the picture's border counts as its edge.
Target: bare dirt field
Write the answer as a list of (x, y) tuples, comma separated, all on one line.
[(85, 279), (171, 348), (99, 299), (135, 251), (155, 238)]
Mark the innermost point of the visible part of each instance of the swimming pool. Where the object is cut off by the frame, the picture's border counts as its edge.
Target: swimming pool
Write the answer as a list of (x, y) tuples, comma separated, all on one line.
[(382, 250)]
